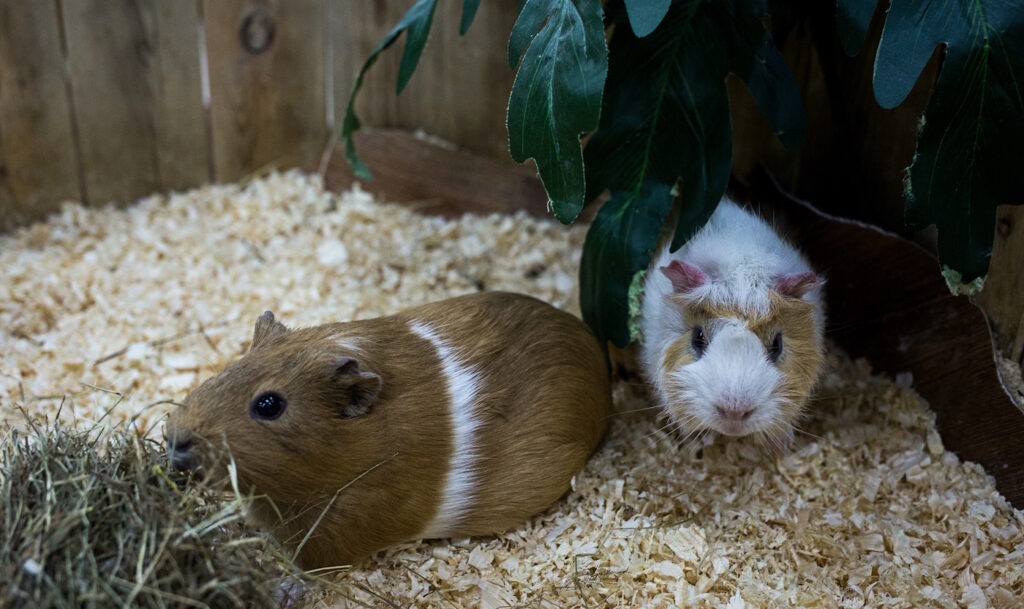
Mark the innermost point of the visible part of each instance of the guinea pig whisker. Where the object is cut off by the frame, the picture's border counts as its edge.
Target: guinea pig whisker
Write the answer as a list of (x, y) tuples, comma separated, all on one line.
[(634, 410), (807, 433), (703, 436), (822, 397), (146, 408), (657, 435), (665, 426), (695, 436)]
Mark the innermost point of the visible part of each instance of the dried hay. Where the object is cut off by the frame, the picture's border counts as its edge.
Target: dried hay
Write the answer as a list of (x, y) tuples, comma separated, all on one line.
[(91, 518), (869, 510)]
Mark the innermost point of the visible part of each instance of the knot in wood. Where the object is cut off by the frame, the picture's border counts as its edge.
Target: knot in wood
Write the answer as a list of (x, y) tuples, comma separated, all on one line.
[(1004, 226), (257, 31)]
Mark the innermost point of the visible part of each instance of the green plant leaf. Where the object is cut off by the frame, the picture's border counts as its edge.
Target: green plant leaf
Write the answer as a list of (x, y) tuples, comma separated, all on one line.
[(665, 121), (469, 8), (617, 239), (645, 15), (758, 62), (969, 156), (853, 17), (416, 23), (556, 96)]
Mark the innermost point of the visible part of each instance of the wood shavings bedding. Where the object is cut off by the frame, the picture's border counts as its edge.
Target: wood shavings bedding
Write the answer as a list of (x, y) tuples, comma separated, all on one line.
[(120, 310)]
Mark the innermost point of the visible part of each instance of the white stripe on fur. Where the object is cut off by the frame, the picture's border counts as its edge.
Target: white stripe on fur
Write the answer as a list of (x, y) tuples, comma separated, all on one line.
[(463, 382)]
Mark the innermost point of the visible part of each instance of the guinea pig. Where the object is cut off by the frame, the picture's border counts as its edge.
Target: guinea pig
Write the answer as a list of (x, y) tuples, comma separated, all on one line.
[(732, 329), (457, 418)]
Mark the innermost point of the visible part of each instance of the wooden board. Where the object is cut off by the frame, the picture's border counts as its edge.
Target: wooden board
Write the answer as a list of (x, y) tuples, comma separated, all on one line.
[(182, 141), (1003, 296), (887, 301), (461, 86), (437, 179), (38, 168), (267, 85), (134, 69)]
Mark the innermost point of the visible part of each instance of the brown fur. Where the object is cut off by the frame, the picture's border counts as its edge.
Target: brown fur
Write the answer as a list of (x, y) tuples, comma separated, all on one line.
[(544, 394)]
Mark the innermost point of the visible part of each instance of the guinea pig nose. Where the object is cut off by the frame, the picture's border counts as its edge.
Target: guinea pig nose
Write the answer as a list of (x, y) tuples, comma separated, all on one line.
[(179, 442), (179, 452), (734, 412)]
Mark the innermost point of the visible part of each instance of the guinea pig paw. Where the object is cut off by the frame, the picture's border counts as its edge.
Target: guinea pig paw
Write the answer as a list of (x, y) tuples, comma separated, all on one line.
[(290, 592)]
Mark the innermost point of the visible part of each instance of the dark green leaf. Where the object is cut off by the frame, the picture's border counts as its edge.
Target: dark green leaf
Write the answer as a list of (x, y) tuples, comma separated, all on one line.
[(786, 15), (416, 22), (969, 154), (666, 119), (556, 96), (759, 63), (616, 249), (645, 15), (852, 20), (469, 8)]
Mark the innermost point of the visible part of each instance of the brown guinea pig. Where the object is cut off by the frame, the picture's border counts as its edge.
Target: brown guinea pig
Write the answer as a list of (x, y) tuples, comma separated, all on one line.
[(457, 418)]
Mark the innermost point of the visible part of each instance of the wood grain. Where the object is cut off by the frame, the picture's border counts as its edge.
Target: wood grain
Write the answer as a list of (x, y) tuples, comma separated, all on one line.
[(1003, 296), (134, 68), (437, 179), (38, 167), (267, 83), (181, 138), (461, 86)]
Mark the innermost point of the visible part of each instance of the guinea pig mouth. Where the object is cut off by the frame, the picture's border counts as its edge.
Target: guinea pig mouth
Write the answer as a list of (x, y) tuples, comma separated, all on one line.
[(733, 428), (181, 456), (185, 463), (192, 454)]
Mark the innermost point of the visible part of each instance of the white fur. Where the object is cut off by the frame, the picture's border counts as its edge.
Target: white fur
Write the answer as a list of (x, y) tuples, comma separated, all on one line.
[(349, 344), (463, 383), (741, 255)]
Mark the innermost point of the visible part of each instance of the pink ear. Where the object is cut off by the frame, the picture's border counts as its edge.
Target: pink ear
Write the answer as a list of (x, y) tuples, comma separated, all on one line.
[(683, 276), (795, 284)]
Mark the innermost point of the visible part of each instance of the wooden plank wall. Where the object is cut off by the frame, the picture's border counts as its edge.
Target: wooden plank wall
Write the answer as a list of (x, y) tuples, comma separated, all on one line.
[(38, 167), (110, 100), (461, 86), (267, 83), (135, 86)]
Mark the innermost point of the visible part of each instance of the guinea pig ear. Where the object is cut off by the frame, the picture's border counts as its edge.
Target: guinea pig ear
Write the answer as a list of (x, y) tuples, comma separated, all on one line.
[(266, 327), (684, 276), (359, 387), (795, 285)]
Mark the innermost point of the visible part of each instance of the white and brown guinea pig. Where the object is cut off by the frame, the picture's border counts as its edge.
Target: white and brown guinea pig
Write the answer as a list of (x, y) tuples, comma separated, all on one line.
[(733, 329), (457, 418)]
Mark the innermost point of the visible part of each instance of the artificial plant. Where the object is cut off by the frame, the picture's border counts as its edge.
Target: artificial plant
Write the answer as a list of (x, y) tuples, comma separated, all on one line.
[(655, 100)]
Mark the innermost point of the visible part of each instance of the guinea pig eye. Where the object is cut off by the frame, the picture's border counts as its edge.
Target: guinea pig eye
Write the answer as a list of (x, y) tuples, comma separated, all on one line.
[(267, 406), (775, 349), (698, 340)]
